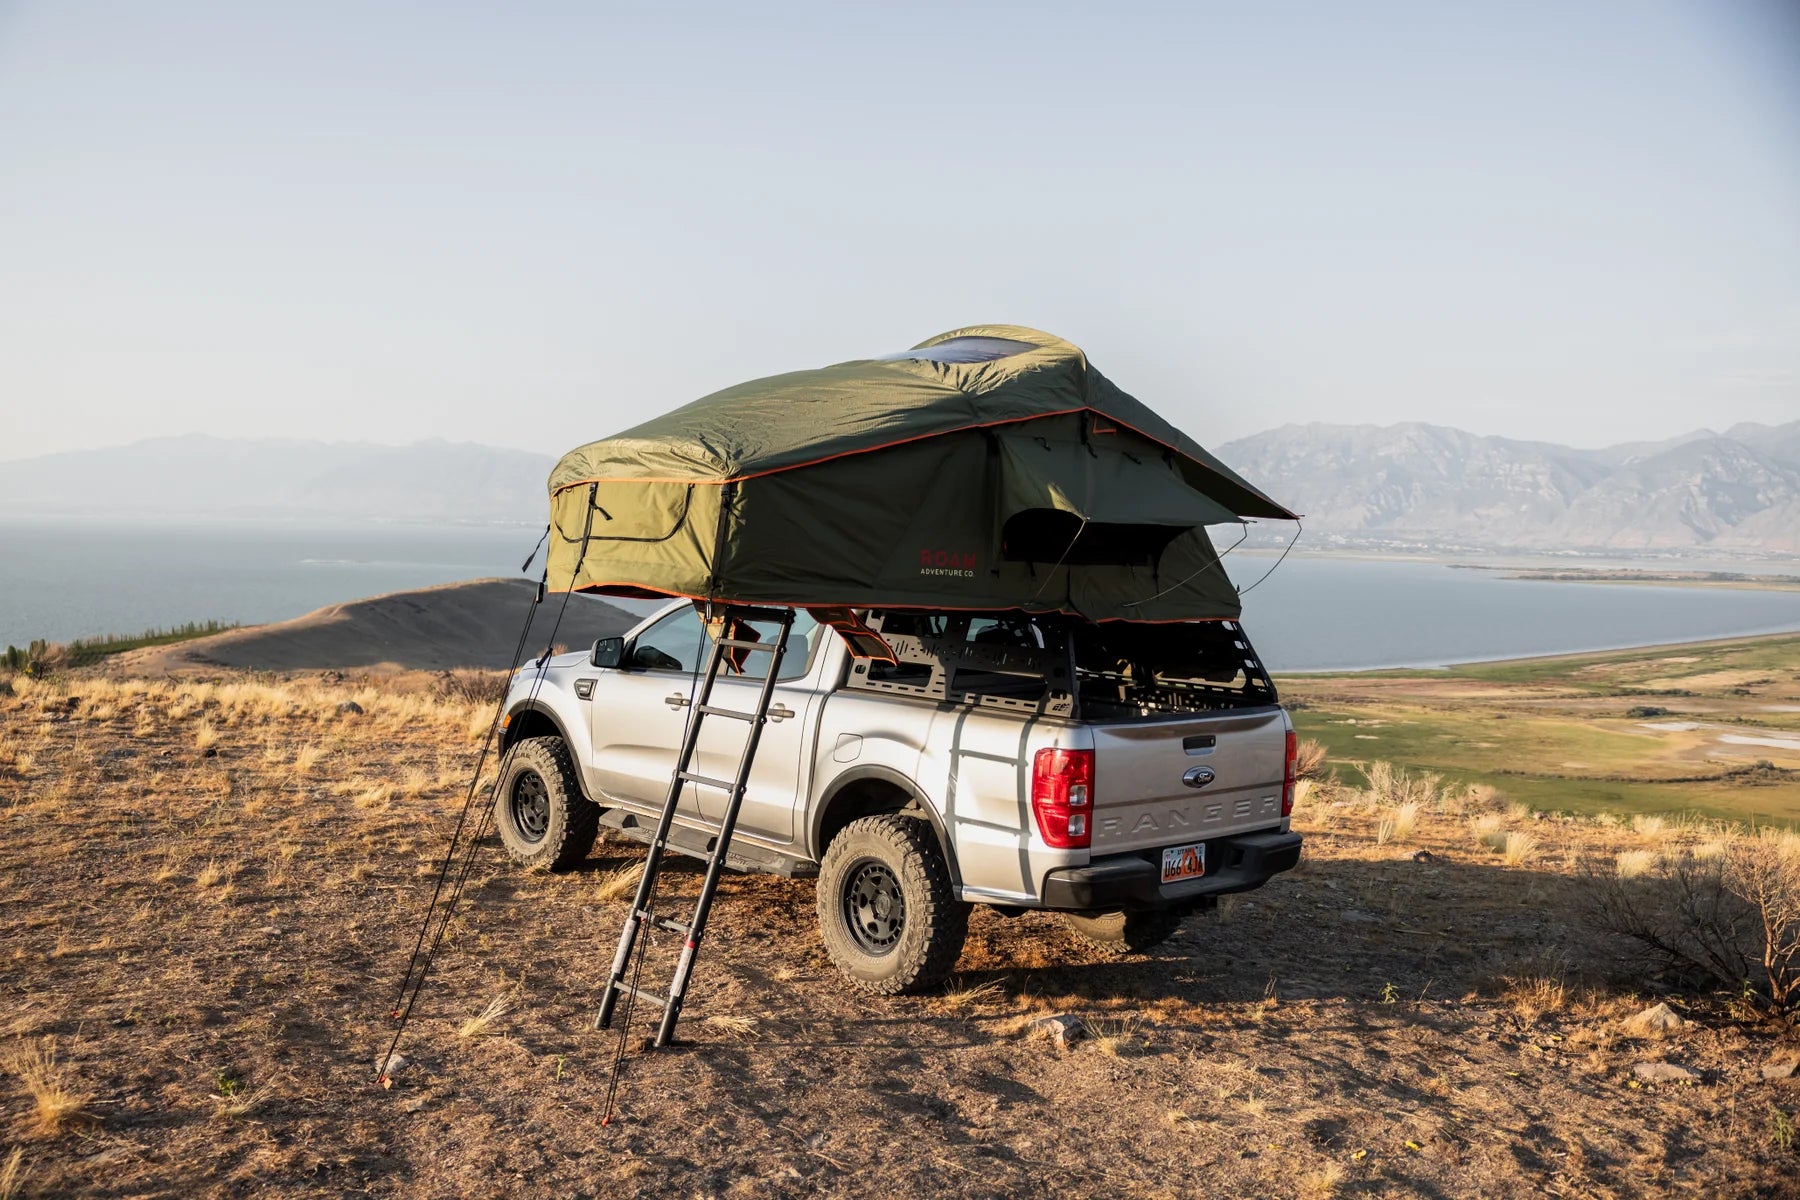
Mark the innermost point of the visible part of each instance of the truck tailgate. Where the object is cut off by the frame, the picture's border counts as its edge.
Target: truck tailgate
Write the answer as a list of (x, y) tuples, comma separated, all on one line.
[(1141, 801)]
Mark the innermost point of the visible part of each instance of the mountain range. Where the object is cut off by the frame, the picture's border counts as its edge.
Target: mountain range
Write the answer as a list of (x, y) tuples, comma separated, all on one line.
[(1418, 486), (1411, 486), (203, 476)]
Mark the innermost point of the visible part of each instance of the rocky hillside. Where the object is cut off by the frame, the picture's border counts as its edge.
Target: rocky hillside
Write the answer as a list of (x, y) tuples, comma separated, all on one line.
[(1427, 486)]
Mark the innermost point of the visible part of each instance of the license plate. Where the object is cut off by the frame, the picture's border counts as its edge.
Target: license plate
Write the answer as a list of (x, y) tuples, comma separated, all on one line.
[(1184, 862)]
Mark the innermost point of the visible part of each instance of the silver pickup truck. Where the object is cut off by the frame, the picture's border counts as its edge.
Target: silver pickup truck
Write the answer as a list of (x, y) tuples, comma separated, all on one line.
[(1124, 775)]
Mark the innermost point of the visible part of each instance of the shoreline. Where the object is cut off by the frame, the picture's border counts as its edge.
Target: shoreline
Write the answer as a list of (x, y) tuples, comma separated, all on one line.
[(1641, 577), (1542, 560), (1543, 659)]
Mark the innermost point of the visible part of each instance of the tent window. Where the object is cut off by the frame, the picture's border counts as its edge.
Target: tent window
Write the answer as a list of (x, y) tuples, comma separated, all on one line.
[(1048, 535), (1133, 504), (963, 350)]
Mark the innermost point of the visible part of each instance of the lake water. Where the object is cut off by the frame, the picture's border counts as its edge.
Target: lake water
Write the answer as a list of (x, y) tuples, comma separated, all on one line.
[(68, 579), (1316, 614)]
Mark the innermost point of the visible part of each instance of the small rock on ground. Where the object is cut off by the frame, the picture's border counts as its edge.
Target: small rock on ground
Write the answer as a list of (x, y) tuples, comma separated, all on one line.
[(1780, 1070), (1658, 1016), (1662, 1072), (350, 708), (1060, 1029)]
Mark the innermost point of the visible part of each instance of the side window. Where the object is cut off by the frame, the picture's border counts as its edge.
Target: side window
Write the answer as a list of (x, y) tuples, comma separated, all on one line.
[(675, 643), (803, 638), (678, 643)]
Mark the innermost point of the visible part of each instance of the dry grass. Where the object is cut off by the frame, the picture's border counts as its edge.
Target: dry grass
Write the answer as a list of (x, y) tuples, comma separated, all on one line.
[(1632, 864), (12, 1174), (960, 996), (206, 736), (307, 757), (1309, 757), (1540, 987), (233, 1099), (1117, 1037), (1518, 849), (1019, 1022), (55, 1099), (1323, 1183), (483, 1021), (1398, 824), (735, 1027), (617, 883), (377, 797), (1391, 787), (1488, 831), (1514, 847)]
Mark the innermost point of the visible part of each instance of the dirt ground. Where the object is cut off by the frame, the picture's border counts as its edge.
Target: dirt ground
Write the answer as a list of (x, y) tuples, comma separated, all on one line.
[(208, 894)]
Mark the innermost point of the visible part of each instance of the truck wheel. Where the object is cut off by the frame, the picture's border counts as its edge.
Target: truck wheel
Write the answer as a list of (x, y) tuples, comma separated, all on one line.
[(1124, 932), (890, 919), (543, 818)]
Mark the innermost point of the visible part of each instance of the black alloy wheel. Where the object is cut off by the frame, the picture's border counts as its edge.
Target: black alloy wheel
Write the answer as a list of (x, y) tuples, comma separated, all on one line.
[(874, 906), (543, 819), (888, 913), (530, 804)]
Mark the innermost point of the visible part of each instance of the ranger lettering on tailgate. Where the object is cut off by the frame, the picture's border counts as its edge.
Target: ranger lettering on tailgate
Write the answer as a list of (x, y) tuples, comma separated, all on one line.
[(1200, 815)]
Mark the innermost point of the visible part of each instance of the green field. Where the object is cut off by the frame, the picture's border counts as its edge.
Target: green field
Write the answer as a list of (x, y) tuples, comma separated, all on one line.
[(1711, 728)]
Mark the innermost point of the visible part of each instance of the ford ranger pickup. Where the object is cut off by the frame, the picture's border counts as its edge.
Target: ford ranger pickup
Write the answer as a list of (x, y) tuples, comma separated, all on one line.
[(1123, 775)]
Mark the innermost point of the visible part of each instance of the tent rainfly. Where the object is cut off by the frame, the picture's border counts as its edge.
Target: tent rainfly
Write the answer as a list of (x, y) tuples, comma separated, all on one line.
[(989, 468)]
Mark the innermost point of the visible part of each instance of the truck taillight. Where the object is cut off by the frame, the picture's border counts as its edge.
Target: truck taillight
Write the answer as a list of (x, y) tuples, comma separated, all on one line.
[(1288, 776), (1062, 797)]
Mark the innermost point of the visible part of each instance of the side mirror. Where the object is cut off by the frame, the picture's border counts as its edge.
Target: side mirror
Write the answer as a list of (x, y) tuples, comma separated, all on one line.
[(608, 652)]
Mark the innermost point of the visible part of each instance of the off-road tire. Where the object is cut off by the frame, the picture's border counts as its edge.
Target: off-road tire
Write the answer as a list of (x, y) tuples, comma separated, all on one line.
[(1120, 932), (897, 857), (553, 831)]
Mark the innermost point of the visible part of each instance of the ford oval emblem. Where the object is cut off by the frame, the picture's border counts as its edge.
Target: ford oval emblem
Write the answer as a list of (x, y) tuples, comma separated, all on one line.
[(1198, 776)]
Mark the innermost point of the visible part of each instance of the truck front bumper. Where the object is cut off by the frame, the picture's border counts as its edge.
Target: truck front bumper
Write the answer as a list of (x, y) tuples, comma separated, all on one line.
[(1134, 881)]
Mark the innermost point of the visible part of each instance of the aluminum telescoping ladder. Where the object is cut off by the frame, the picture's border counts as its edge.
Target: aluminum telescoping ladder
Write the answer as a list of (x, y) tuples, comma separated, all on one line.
[(729, 646)]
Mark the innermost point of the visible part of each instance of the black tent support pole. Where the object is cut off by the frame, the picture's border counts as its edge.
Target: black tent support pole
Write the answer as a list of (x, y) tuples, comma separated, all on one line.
[(404, 1003)]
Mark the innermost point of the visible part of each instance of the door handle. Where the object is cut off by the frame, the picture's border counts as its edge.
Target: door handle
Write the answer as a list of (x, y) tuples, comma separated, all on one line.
[(779, 712), (675, 700)]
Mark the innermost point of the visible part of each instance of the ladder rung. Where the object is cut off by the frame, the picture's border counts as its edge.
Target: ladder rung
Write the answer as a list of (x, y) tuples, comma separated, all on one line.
[(670, 924), (710, 711), (643, 994), (705, 781), (751, 612), (741, 644)]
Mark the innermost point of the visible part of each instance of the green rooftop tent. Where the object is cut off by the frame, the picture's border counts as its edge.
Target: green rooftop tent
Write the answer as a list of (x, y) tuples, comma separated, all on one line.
[(989, 468)]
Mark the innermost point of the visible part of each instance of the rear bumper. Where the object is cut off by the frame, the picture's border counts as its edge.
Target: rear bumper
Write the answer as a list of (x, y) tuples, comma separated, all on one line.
[(1134, 881)]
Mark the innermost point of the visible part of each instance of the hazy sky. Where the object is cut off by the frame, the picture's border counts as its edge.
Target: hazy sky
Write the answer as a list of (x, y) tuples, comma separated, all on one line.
[(536, 224)]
